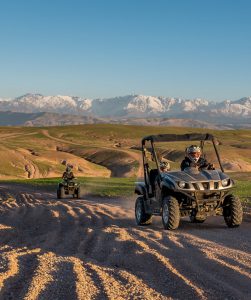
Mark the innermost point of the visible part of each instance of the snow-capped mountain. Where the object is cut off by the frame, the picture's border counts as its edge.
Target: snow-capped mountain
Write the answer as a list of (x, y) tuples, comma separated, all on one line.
[(237, 108), (132, 106)]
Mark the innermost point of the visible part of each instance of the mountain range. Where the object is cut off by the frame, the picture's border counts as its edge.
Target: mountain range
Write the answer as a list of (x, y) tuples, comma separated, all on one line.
[(130, 109)]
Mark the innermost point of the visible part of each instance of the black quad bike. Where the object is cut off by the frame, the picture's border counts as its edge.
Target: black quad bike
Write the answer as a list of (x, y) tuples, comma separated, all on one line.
[(69, 187), (193, 192)]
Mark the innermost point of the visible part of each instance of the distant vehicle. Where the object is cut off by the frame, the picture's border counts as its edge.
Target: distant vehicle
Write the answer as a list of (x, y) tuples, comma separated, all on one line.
[(69, 187), (197, 193)]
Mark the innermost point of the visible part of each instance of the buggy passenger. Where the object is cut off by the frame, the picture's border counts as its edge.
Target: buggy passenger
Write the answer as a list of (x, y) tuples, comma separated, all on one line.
[(164, 166)]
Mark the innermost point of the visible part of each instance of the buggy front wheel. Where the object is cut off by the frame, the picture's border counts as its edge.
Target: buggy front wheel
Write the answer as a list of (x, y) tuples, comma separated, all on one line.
[(232, 211), (170, 213)]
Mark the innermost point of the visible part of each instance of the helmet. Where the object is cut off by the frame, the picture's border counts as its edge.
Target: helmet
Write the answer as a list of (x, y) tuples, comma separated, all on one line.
[(193, 152), (164, 166), (69, 167), (63, 162)]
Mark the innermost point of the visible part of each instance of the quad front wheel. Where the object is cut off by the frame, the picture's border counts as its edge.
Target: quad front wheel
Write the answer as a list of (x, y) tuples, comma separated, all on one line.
[(79, 192), (60, 192)]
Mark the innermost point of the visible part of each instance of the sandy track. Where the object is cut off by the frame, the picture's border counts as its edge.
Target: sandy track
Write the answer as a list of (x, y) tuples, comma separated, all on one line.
[(132, 154), (91, 249)]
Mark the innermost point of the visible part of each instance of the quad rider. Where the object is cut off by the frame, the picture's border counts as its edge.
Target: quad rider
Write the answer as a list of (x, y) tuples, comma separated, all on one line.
[(69, 185), (193, 159), (68, 174)]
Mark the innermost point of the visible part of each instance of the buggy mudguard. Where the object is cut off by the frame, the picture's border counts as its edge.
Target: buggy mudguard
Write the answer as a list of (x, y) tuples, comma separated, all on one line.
[(140, 188)]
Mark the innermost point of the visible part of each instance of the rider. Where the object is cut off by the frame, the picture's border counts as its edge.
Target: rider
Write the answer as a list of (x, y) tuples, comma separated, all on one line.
[(68, 174), (193, 159)]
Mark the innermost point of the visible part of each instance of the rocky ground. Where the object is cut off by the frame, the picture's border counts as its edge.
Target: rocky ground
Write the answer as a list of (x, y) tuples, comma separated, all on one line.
[(92, 249)]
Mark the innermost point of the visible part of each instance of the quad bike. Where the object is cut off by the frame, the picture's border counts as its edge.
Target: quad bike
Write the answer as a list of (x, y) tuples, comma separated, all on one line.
[(69, 187), (193, 192)]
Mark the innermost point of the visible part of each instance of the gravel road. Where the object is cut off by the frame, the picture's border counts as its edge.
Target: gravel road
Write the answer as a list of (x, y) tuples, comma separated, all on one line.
[(92, 249)]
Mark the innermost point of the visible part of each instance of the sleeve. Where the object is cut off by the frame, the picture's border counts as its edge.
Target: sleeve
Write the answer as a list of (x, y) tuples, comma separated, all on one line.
[(205, 164), (184, 164)]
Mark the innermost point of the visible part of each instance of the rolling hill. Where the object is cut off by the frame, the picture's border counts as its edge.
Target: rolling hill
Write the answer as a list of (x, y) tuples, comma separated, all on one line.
[(40, 119), (102, 150)]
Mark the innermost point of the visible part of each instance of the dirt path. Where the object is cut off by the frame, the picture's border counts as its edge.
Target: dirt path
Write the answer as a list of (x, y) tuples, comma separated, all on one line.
[(15, 135), (47, 134), (92, 249), (134, 155)]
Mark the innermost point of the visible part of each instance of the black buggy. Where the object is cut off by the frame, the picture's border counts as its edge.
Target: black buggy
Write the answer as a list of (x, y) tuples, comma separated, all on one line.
[(197, 193), (69, 187)]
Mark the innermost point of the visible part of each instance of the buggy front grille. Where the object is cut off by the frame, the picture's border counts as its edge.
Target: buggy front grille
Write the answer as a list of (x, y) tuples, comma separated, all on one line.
[(204, 186)]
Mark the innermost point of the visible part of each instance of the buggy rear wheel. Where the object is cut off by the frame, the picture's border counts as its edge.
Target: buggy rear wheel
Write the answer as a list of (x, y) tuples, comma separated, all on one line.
[(170, 213), (142, 218), (232, 211)]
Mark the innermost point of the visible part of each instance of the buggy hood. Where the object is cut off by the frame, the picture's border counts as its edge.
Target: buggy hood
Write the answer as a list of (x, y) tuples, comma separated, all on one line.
[(192, 174)]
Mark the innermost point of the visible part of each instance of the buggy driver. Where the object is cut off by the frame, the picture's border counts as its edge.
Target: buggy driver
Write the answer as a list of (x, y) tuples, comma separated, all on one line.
[(193, 159)]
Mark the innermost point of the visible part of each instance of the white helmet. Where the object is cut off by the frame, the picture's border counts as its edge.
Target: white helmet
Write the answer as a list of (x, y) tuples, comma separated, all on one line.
[(193, 152)]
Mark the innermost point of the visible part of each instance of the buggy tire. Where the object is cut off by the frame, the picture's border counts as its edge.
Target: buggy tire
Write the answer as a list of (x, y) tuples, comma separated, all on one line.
[(232, 211), (141, 217), (170, 213)]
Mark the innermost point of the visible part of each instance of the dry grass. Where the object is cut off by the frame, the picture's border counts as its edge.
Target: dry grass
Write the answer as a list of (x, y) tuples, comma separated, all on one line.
[(104, 150)]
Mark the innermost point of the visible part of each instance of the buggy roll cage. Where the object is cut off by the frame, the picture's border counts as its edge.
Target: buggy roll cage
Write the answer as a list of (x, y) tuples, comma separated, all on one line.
[(178, 138)]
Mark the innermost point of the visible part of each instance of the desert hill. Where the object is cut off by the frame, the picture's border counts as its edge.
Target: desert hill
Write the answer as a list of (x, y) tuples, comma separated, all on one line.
[(102, 149), (41, 119), (8, 118)]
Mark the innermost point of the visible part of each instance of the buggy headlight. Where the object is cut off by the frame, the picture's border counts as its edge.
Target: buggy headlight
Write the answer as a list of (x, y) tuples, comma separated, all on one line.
[(181, 184), (225, 182)]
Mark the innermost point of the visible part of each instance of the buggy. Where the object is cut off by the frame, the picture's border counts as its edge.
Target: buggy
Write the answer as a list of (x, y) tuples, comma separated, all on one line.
[(193, 192), (69, 187)]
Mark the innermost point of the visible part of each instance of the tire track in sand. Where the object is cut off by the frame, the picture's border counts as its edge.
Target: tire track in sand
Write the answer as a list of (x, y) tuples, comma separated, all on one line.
[(83, 249)]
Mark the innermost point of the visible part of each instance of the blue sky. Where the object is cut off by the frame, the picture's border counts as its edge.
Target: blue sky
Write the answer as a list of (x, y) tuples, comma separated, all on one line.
[(106, 48)]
